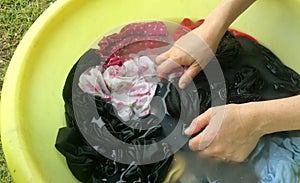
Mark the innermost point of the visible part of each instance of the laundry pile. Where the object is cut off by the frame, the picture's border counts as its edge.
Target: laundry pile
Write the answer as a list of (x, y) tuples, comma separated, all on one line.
[(118, 113)]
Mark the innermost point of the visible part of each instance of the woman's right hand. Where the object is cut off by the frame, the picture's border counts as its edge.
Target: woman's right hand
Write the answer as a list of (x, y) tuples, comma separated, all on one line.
[(173, 58), (193, 50), (230, 136)]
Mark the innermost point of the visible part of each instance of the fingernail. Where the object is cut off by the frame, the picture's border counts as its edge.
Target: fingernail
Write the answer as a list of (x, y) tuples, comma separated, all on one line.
[(187, 131), (182, 85)]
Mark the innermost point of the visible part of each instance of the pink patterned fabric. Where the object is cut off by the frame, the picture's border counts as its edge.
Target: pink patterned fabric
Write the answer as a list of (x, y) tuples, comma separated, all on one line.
[(115, 49), (126, 87)]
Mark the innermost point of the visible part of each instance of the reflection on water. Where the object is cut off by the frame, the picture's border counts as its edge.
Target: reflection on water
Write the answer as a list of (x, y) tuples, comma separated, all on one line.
[(250, 79), (205, 170)]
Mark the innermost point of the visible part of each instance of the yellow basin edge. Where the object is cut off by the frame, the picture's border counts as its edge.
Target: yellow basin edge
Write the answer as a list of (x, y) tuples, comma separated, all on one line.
[(31, 109)]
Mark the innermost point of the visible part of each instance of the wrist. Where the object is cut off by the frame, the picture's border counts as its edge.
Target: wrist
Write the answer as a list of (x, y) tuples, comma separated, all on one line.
[(217, 22), (278, 114), (253, 119), (211, 33)]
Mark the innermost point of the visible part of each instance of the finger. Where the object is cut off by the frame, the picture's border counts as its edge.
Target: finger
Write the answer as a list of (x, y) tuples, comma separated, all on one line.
[(195, 47), (195, 142), (199, 123), (167, 67), (159, 60), (162, 57), (201, 143), (216, 155), (163, 77), (189, 75)]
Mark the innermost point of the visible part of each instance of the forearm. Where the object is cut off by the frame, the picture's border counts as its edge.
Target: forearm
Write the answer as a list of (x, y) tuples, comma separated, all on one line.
[(275, 115), (226, 12), (219, 19)]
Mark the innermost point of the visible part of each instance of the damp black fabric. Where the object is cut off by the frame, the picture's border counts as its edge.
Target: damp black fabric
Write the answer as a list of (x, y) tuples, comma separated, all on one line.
[(252, 73)]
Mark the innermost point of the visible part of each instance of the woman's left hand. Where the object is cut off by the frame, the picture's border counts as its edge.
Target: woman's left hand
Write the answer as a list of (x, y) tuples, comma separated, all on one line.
[(237, 136)]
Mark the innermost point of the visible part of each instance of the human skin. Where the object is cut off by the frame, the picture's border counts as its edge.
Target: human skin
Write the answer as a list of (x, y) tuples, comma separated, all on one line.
[(211, 32), (251, 120)]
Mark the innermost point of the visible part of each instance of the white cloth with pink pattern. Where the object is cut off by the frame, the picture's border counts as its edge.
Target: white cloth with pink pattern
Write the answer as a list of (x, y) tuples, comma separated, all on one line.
[(127, 87)]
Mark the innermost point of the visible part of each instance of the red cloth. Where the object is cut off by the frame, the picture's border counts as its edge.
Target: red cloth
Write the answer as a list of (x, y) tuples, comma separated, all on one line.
[(115, 49), (241, 34), (188, 25)]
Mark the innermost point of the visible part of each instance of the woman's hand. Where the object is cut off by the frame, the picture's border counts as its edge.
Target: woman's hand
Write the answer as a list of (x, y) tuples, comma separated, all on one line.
[(190, 52), (193, 50), (174, 58), (237, 136)]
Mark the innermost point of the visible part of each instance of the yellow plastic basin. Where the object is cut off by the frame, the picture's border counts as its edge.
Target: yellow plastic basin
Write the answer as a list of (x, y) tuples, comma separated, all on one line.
[(32, 106)]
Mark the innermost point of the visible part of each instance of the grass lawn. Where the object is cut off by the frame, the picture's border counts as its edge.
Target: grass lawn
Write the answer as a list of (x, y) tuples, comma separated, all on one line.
[(16, 16)]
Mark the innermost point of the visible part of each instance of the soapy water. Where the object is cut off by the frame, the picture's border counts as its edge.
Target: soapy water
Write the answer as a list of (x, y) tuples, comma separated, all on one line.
[(172, 110), (176, 139), (207, 170)]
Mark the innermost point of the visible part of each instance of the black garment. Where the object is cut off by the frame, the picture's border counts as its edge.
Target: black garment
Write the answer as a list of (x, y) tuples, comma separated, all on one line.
[(251, 71)]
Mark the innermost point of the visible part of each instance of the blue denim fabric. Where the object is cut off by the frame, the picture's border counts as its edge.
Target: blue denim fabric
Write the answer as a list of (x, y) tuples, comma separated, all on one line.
[(276, 159)]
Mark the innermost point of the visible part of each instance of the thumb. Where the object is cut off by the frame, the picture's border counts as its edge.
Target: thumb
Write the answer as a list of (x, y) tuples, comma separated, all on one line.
[(199, 123), (189, 75), (207, 136)]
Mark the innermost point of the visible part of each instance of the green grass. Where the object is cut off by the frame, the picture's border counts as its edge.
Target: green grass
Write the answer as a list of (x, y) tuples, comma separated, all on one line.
[(16, 16)]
